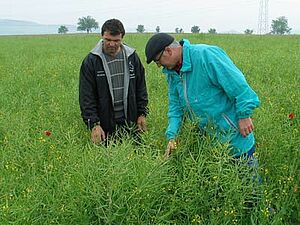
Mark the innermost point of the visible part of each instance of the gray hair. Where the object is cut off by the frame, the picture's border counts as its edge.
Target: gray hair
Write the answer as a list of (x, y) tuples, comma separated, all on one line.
[(174, 44)]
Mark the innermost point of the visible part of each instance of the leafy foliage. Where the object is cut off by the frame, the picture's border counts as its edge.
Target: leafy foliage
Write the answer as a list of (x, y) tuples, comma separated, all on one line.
[(140, 29), (178, 30), (212, 31), (195, 29), (248, 31), (280, 26), (157, 29), (87, 24), (52, 174), (62, 29)]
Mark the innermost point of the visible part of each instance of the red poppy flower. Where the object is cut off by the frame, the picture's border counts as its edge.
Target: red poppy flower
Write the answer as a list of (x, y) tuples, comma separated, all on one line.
[(291, 116), (47, 132)]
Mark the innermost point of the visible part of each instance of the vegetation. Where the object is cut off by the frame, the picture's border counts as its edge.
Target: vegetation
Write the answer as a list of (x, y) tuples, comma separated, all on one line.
[(280, 26), (50, 172), (195, 29), (140, 29), (87, 24), (62, 29), (157, 29), (212, 31), (248, 31), (178, 30)]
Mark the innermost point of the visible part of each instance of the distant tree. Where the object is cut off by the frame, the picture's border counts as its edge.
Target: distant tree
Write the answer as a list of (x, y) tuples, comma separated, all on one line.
[(140, 28), (212, 31), (195, 29), (62, 29), (157, 29), (87, 23), (178, 30), (280, 26), (248, 31)]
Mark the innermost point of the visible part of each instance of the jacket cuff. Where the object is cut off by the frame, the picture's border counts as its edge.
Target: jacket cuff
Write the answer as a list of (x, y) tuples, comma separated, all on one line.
[(95, 124), (243, 115), (142, 114), (91, 124)]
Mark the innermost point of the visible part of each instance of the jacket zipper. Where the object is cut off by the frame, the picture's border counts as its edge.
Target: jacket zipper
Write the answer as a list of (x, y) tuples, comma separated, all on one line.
[(185, 95)]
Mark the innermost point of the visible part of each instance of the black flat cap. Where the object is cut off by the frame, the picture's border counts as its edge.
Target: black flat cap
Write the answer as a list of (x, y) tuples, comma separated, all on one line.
[(156, 44)]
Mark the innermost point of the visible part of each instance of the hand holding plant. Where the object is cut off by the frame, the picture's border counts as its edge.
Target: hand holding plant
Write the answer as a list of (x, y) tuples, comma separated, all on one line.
[(170, 148)]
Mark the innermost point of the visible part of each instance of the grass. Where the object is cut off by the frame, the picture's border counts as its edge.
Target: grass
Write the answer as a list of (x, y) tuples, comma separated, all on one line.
[(64, 179)]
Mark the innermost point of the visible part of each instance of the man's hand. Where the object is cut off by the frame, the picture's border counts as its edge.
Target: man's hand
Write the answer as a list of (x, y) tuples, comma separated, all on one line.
[(141, 123), (170, 148), (246, 126), (97, 134)]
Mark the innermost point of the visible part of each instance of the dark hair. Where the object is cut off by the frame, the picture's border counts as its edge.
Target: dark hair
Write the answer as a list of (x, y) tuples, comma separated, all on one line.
[(114, 27)]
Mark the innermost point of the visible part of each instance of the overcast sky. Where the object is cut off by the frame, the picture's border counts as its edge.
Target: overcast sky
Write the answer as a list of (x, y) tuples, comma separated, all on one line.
[(223, 15)]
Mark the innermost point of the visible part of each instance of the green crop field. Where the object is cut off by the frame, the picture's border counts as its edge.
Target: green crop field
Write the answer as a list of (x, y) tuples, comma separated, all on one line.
[(50, 172)]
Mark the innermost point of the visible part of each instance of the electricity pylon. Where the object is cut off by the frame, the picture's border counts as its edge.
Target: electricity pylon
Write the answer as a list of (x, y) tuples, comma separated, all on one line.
[(263, 17)]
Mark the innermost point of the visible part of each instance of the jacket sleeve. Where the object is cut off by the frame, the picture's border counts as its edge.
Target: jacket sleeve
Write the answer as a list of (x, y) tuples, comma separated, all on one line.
[(88, 93), (175, 113), (223, 73), (141, 88)]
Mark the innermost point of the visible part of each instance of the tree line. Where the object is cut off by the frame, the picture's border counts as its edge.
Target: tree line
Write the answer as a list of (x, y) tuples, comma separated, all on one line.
[(278, 26)]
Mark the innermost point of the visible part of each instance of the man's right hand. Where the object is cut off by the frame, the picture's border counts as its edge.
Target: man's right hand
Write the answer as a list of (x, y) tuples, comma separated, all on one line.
[(97, 135), (170, 148)]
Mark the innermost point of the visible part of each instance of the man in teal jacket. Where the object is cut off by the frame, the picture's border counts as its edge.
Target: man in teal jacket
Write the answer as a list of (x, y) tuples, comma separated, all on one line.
[(205, 83)]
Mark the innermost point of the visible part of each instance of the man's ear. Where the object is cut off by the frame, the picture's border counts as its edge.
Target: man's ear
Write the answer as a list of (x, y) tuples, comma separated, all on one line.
[(168, 50)]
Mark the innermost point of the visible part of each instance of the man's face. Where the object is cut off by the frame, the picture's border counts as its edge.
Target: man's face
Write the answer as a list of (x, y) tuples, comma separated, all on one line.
[(165, 58), (111, 44)]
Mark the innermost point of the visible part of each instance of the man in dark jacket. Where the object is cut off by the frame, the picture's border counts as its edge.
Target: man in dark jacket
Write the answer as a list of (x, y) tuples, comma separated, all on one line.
[(112, 87)]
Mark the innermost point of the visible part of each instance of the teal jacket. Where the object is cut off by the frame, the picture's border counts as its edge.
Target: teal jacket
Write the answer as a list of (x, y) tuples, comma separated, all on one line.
[(213, 91)]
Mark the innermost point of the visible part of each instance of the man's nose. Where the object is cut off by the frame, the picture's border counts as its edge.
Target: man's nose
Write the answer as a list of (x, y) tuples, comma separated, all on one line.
[(111, 43)]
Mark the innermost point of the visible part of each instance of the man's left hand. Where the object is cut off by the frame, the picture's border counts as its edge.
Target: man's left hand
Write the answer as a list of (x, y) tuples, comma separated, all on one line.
[(141, 123), (246, 126)]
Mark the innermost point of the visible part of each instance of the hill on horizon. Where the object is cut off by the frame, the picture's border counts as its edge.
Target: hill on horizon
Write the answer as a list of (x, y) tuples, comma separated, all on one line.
[(21, 27)]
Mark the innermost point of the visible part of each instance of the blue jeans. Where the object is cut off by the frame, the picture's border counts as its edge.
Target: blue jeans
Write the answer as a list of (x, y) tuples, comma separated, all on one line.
[(252, 163), (248, 154)]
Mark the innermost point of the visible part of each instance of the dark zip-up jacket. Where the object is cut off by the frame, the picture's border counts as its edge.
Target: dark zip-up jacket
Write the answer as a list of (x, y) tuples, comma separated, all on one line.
[(95, 89)]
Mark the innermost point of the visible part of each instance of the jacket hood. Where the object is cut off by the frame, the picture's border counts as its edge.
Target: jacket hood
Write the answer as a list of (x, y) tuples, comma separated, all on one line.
[(97, 50)]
